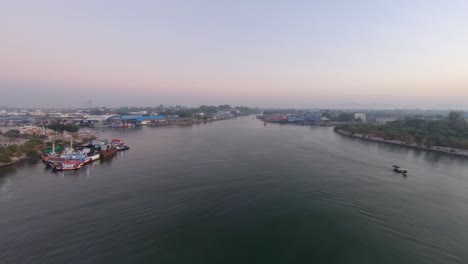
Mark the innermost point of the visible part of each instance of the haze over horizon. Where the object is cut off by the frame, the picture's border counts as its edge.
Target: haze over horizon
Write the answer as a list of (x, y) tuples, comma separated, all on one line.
[(336, 54)]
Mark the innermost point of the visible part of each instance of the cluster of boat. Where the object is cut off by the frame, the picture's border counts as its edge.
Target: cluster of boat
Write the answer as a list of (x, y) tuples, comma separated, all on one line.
[(75, 157)]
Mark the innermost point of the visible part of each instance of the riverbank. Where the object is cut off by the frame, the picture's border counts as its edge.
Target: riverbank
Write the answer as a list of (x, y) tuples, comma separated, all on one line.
[(446, 150), (18, 160)]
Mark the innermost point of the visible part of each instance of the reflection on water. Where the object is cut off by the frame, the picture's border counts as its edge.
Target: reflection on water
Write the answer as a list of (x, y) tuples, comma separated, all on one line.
[(6, 188)]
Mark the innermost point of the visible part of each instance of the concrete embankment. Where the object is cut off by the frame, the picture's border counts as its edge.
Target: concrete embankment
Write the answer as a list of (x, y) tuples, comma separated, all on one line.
[(446, 150)]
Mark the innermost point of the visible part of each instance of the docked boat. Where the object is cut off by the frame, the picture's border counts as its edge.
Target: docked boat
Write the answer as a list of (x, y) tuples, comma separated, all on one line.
[(119, 144), (95, 157), (82, 158), (121, 148), (108, 153), (47, 158), (67, 166), (50, 156)]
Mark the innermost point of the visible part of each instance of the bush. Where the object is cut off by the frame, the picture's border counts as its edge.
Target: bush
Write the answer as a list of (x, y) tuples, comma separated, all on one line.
[(31, 153), (4, 158), (12, 133), (33, 143), (13, 150)]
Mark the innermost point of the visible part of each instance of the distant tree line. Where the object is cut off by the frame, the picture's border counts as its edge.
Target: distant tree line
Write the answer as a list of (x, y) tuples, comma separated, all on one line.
[(58, 127), (451, 131), (182, 111), (13, 133)]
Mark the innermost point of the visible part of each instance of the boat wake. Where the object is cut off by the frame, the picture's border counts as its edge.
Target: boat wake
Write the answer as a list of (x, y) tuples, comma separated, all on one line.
[(344, 157)]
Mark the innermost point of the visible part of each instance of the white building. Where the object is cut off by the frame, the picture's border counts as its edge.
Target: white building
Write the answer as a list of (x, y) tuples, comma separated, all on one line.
[(139, 113), (361, 116), (38, 113)]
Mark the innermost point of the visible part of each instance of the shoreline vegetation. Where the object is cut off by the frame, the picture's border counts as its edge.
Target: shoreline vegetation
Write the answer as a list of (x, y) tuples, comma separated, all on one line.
[(451, 151), (15, 153), (448, 135)]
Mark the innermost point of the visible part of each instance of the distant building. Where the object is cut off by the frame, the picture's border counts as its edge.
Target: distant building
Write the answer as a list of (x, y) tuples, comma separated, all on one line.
[(139, 113), (38, 113), (385, 119), (36, 131), (324, 120), (361, 116)]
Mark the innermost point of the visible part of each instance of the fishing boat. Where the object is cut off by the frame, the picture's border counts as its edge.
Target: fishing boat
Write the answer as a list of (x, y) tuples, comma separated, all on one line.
[(83, 159), (110, 151), (73, 155), (117, 141), (122, 147), (68, 166), (51, 155)]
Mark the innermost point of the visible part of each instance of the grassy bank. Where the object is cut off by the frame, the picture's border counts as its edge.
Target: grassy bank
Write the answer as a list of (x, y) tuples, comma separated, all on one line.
[(13, 153), (450, 132)]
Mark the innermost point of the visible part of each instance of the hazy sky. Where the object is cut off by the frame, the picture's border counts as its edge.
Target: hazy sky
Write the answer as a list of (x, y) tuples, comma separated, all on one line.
[(266, 53)]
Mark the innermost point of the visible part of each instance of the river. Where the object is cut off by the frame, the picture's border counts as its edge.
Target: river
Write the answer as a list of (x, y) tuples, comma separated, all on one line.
[(236, 191)]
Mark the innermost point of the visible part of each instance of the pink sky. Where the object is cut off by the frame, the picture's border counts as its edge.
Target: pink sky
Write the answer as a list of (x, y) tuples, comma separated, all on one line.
[(300, 54)]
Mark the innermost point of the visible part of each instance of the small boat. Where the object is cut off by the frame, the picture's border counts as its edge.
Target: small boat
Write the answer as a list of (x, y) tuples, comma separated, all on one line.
[(67, 166), (122, 147), (397, 169), (117, 141), (119, 144)]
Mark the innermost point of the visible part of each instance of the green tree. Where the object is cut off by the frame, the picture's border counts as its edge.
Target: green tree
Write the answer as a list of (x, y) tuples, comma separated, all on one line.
[(31, 153), (456, 120), (71, 128), (183, 113), (13, 133), (4, 158), (33, 143), (57, 127), (345, 117), (225, 107)]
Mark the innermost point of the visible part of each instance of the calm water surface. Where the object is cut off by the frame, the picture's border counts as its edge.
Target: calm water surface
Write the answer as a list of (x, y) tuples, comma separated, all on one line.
[(236, 191)]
